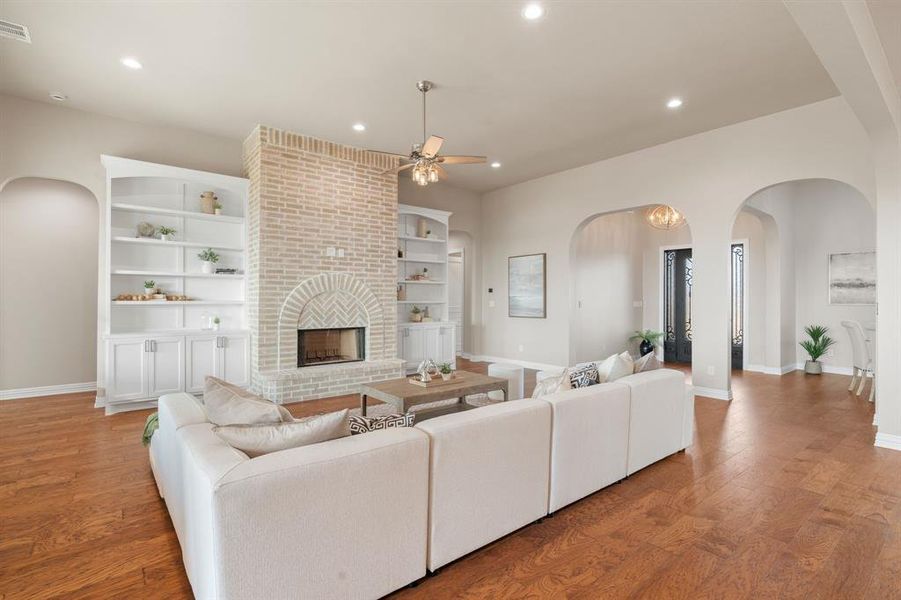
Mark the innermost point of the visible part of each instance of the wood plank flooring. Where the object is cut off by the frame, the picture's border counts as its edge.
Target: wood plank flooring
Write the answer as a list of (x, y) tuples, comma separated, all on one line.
[(782, 495)]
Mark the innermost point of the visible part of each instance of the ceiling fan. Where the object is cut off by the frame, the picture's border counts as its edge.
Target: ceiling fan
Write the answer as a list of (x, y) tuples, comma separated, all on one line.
[(424, 160)]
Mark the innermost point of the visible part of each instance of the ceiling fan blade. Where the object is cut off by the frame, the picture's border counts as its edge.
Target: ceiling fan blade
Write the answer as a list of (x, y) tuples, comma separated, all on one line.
[(404, 156), (462, 160), (442, 174), (398, 169), (432, 146)]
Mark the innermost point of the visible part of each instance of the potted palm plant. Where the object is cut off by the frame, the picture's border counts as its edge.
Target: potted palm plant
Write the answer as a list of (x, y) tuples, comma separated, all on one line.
[(818, 344), (649, 339)]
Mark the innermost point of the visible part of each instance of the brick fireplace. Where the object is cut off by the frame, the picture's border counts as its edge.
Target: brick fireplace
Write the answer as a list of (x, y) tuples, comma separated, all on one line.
[(308, 196)]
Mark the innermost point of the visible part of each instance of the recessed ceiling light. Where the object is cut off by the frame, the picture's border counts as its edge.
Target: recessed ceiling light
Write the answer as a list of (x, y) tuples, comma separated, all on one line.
[(131, 63), (674, 103), (58, 96), (532, 11), (359, 127), (495, 165)]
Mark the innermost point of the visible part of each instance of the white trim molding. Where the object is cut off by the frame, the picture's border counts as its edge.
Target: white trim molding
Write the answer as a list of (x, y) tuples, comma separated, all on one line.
[(714, 393), (48, 390), (888, 440), (772, 370), (522, 363)]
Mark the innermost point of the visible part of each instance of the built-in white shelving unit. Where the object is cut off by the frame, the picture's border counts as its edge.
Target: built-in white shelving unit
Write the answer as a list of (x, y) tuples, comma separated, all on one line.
[(420, 253), (154, 347)]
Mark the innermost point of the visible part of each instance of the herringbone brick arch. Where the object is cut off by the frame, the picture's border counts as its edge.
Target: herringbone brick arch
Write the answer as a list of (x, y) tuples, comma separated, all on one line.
[(325, 301)]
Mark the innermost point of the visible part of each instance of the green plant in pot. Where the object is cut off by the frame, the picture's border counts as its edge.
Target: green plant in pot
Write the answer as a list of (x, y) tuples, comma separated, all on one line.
[(209, 260), (446, 371), (649, 340), (818, 344), (150, 287), (416, 314), (166, 233)]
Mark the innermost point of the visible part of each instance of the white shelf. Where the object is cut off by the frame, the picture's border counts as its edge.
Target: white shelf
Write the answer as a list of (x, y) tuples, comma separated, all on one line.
[(421, 260), (173, 243), (421, 282), (158, 303), (188, 214), (414, 238), (421, 302), (178, 274), (176, 331)]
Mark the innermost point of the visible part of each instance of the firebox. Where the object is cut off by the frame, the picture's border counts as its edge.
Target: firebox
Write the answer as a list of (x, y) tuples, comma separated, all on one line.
[(330, 346)]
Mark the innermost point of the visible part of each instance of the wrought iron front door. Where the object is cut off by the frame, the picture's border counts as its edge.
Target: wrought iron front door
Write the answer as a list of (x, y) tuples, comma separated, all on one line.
[(677, 276), (738, 306)]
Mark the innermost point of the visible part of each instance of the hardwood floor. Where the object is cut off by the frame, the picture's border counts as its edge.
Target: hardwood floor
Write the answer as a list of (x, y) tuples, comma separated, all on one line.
[(782, 495)]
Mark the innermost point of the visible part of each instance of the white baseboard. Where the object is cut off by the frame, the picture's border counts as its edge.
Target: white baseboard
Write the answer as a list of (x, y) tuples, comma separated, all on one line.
[(771, 370), (112, 409), (48, 390), (522, 363), (888, 440), (714, 393)]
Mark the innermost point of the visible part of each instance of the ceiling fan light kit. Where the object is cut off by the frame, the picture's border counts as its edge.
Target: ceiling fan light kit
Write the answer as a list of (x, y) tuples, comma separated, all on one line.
[(424, 160)]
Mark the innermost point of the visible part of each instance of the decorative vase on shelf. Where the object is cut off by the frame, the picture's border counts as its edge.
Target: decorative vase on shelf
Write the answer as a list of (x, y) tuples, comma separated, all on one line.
[(208, 202), (208, 266), (421, 228), (401, 292), (164, 237)]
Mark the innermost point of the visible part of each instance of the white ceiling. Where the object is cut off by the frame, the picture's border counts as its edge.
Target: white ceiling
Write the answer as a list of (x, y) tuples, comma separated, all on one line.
[(887, 18), (587, 82)]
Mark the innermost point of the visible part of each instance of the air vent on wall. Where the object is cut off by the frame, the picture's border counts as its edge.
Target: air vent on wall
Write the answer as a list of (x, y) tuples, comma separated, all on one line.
[(14, 31)]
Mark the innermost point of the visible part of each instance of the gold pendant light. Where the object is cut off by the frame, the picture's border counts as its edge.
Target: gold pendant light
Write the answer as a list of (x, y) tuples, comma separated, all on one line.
[(665, 217)]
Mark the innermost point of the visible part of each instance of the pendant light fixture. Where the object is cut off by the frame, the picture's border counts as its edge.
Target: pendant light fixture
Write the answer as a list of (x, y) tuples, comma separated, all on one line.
[(665, 217)]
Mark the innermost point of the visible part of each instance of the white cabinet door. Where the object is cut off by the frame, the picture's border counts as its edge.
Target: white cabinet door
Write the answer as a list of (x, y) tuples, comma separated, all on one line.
[(202, 359), (447, 348), (126, 369), (167, 366), (432, 343), (234, 359)]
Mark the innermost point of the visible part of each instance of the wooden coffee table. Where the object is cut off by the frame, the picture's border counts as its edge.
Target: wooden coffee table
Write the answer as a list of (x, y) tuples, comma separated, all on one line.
[(402, 394)]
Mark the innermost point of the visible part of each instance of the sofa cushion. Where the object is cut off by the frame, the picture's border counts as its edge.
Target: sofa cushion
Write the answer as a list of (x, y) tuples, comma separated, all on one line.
[(648, 362), (359, 424), (227, 404), (256, 440), (584, 375)]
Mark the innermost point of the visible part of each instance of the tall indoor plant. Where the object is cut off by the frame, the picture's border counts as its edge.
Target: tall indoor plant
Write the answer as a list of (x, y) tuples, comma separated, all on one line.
[(818, 344), (649, 339)]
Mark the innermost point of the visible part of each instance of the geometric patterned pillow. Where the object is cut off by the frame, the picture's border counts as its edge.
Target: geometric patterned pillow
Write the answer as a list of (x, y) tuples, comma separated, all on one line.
[(360, 424), (584, 375)]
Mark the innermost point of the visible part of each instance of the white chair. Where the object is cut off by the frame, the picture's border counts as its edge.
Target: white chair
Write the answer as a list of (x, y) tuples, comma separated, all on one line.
[(862, 362)]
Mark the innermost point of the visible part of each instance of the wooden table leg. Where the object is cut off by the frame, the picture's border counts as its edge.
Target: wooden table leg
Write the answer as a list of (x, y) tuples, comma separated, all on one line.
[(363, 398)]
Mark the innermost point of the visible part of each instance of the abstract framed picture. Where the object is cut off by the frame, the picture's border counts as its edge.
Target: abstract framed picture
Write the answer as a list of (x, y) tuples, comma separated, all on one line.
[(526, 283), (852, 277)]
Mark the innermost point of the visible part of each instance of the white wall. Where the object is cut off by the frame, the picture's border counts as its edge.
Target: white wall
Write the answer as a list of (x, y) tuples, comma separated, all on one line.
[(707, 176), (48, 284)]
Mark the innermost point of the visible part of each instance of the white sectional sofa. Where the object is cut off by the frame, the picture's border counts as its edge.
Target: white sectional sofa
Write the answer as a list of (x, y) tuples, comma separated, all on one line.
[(361, 516)]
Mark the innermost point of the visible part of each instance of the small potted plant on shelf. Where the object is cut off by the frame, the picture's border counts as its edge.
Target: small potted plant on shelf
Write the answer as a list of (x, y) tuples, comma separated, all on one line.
[(216, 323), (166, 233), (446, 371), (649, 339), (209, 260), (217, 208), (415, 314), (149, 287), (818, 344)]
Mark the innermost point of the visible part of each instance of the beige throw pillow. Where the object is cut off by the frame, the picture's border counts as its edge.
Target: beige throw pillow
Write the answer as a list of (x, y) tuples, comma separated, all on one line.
[(227, 404), (614, 367), (553, 384), (648, 362), (256, 440)]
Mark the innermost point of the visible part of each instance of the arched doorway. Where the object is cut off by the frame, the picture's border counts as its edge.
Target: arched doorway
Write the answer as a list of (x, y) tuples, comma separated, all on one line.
[(618, 284), (49, 231)]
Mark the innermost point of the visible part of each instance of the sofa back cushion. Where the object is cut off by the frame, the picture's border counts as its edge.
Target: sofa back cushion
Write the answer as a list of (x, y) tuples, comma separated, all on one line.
[(256, 440), (227, 404)]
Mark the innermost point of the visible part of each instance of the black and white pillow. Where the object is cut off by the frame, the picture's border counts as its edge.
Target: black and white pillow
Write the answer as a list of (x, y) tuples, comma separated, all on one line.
[(584, 375), (360, 424)]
